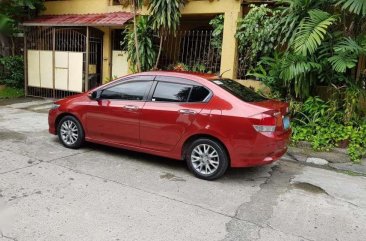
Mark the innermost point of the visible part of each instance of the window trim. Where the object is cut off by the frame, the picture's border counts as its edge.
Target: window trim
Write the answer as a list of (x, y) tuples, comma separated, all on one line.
[(192, 83), (208, 97), (229, 91), (127, 81), (150, 98)]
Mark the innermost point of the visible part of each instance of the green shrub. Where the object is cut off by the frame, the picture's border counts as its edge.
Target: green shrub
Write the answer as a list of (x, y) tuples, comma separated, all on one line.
[(257, 34), (322, 125), (217, 24), (12, 74)]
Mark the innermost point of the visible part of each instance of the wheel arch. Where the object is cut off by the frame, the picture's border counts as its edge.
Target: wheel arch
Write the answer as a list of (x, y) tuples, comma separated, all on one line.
[(192, 138), (59, 118)]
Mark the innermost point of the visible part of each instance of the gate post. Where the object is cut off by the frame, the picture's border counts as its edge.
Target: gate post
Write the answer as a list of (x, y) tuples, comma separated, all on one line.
[(25, 63), (86, 84), (54, 61)]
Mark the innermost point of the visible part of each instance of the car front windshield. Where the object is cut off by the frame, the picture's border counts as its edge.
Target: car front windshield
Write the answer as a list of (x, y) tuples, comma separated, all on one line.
[(240, 91)]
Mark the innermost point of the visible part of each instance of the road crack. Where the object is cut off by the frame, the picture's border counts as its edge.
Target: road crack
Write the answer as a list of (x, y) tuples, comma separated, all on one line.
[(260, 208), (7, 237)]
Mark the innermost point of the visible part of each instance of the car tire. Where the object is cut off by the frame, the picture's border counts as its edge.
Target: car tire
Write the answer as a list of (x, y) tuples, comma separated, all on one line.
[(207, 159), (70, 132)]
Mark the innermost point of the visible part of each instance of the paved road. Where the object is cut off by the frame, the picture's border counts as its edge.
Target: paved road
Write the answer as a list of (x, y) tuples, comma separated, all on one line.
[(99, 193)]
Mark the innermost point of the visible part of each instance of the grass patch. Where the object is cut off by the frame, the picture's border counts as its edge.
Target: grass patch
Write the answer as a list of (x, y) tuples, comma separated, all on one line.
[(9, 93)]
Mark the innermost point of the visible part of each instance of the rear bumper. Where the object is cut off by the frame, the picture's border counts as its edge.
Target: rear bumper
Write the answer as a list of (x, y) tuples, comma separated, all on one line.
[(263, 150)]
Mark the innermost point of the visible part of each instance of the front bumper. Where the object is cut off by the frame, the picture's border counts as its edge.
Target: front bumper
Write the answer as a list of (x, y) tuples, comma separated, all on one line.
[(52, 116)]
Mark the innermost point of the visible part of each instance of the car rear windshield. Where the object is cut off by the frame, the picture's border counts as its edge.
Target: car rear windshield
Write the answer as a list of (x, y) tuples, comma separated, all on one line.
[(240, 91)]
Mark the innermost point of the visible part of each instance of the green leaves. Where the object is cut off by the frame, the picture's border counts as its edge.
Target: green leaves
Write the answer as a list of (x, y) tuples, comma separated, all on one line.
[(147, 50), (354, 6), (12, 74), (257, 34), (321, 123), (311, 31), (217, 24), (346, 54), (166, 14), (4, 21), (15, 11), (299, 72)]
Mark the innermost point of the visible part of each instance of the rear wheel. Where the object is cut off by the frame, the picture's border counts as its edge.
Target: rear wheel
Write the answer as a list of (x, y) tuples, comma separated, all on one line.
[(70, 132), (207, 159)]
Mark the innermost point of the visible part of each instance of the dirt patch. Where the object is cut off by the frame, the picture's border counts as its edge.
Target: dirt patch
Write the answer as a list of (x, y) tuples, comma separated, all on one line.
[(308, 187), (4, 102), (172, 177), (12, 135)]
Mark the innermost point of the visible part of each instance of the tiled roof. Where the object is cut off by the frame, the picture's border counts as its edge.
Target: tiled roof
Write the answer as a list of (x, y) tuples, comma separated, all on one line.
[(94, 19)]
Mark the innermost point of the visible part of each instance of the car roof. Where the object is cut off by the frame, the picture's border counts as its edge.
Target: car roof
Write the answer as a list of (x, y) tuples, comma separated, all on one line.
[(200, 77)]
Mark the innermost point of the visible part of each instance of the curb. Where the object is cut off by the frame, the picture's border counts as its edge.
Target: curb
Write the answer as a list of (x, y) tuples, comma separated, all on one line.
[(336, 160)]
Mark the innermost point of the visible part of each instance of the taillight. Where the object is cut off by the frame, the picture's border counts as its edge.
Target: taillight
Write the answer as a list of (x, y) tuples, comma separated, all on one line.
[(265, 122)]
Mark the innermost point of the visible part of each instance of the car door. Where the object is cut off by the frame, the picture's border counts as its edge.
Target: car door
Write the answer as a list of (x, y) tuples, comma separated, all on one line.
[(115, 116), (168, 114)]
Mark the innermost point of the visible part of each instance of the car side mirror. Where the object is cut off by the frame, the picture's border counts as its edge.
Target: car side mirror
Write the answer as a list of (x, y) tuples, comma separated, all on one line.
[(95, 95)]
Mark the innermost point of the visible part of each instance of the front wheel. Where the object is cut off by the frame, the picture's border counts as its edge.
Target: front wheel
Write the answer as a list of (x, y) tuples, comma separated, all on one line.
[(207, 159), (70, 132)]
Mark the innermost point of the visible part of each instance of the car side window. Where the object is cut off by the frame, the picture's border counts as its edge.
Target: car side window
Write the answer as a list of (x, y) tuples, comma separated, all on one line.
[(135, 90), (198, 94), (171, 92)]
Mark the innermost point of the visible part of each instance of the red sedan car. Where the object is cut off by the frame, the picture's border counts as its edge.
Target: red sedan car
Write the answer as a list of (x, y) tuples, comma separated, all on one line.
[(210, 122)]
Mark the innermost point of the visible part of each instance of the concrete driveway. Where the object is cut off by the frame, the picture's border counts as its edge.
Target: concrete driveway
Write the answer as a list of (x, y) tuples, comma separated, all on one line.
[(48, 192)]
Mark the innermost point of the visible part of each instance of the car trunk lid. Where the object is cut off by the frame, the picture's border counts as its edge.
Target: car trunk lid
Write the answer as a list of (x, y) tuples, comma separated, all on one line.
[(278, 110)]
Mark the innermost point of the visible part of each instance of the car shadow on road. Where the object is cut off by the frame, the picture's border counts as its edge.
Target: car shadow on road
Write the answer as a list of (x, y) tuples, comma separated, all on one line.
[(233, 174)]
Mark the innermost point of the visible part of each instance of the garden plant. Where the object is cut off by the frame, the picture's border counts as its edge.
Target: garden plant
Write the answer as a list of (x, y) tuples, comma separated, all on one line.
[(298, 45)]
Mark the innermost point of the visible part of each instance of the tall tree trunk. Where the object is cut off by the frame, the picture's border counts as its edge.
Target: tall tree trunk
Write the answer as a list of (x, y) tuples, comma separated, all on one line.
[(2, 45), (138, 63), (12, 46), (159, 53)]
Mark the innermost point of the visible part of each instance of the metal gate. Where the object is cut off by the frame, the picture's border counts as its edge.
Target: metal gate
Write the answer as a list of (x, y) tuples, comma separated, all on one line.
[(191, 48), (62, 61)]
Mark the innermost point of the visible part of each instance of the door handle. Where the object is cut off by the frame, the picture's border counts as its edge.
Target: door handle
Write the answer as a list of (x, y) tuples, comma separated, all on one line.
[(187, 112), (130, 107)]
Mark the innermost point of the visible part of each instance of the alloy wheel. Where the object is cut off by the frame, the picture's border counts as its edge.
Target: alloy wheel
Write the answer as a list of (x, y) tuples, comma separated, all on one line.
[(205, 159), (69, 132)]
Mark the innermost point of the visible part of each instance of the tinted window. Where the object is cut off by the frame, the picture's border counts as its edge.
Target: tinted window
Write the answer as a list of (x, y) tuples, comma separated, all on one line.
[(198, 94), (127, 91), (244, 93), (171, 92)]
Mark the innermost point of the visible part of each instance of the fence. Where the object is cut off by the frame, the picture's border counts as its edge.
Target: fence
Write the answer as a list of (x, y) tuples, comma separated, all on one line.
[(62, 61), (192, 50), (243, 66)]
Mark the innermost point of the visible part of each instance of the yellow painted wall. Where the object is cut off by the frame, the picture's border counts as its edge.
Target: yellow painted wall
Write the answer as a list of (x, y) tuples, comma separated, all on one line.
[(231, 9), (107, 58)]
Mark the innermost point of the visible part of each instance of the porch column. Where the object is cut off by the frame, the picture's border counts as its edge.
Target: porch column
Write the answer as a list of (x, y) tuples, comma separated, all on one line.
[(229, 53), (107, 52)]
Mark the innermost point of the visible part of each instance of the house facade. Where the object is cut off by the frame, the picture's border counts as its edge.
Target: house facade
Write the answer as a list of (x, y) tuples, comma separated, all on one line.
[(75, 44)]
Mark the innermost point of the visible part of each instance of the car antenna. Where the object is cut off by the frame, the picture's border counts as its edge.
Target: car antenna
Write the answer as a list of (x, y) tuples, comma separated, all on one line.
[(220, 76)]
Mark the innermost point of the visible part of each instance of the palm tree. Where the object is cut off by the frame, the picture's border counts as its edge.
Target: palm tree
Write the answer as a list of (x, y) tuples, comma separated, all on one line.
[(354, 6), (146, 48), (311, 31), (135, 5), (166, 17)]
